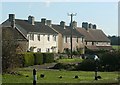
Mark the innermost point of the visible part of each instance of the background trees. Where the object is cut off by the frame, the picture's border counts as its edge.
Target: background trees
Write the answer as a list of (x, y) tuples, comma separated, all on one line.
[(115, 40)]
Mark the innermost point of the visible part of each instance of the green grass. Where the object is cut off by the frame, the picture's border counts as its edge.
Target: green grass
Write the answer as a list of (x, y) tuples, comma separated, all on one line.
[(0, 78), (74, 60), (116, 47), (52, 76)]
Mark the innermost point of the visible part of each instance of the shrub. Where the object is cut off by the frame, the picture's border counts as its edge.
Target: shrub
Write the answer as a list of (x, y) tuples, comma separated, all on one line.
[(59, 66), (27, 59), (86, 65), (48, 57), (61, 57), (75, 52), (64, 66), (110, 61), (38, 58)]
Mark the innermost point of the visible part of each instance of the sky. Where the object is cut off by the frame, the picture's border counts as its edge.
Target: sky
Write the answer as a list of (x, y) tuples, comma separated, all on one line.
[(103, 14)]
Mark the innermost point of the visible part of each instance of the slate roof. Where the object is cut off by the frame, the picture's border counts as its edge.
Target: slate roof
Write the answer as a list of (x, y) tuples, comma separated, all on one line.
[(93, 35), (24, 27), (18, 36), (67, 31)]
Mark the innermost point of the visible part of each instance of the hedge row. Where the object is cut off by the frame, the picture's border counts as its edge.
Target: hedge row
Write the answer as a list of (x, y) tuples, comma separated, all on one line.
[(29, 58), (38, 58), (48, 57)]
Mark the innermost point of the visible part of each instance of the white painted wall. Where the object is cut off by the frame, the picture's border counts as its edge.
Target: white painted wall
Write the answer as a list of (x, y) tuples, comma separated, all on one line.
[(43, 44)]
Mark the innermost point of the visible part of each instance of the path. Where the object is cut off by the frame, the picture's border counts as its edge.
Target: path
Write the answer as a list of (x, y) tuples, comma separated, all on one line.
[(44, 66)]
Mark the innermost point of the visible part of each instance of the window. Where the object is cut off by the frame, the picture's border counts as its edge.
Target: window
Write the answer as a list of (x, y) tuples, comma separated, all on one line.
[(86, 43), (48, 38), (92, 43), (82, 39), (39, 37), (39, 50), (32, 36), (54, 37), (66, 39)]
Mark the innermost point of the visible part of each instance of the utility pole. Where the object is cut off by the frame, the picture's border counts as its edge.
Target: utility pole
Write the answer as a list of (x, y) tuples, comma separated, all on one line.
[(71, 25)]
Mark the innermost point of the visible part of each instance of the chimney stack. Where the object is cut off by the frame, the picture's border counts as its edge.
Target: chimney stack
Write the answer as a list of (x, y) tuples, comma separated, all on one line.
[(90, 26), (94, 26), (74, 24), (85, 25), (62, 23), (31, 20), (48, 22), (12, 20), (43, 21)]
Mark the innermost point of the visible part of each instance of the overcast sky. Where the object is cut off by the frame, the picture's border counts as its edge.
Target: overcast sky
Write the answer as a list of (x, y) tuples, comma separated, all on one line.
[(103, 14)]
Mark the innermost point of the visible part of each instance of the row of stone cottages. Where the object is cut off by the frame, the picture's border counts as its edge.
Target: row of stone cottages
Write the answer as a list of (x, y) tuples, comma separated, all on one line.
[(44, 36)]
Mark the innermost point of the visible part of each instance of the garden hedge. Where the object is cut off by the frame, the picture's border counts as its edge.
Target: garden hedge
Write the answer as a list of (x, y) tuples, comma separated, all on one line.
[(28, 59), (48, 57), (38, 58)]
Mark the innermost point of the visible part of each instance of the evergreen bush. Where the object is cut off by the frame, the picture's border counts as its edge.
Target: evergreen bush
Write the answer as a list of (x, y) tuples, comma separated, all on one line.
[(48, 57), (38, 58)]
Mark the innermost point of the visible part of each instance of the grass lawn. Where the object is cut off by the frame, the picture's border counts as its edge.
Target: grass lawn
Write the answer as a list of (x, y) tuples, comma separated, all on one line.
[(116, 47), (52, 76), (74, 60), (0, 79)]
